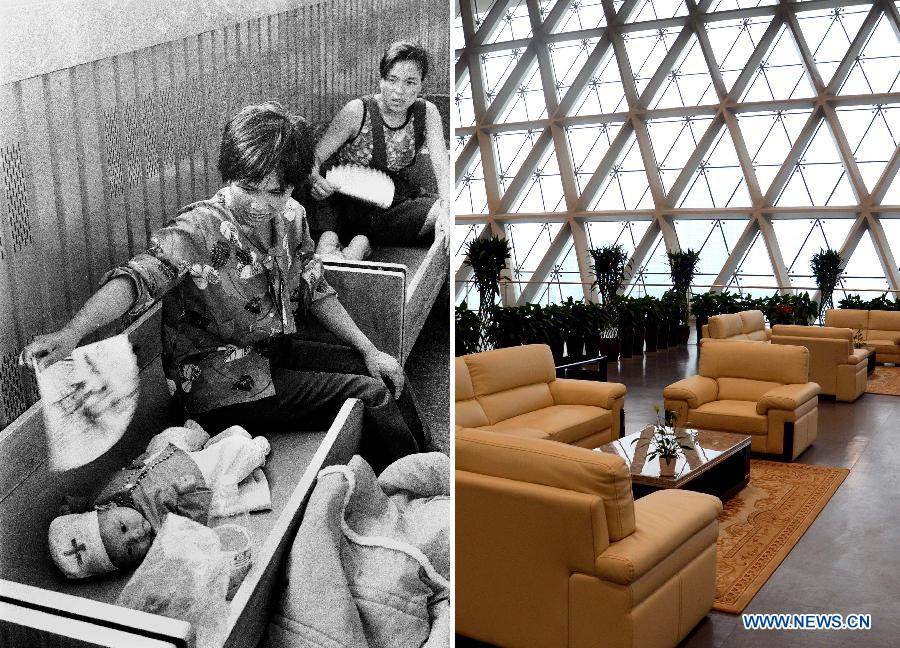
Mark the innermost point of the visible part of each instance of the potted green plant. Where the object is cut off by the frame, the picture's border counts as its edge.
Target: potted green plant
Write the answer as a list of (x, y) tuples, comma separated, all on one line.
[(468, 330), (703, 306), (557, 322), (665, 444), (882, 303), (674, 308), (505, 326), (826, 266), (853, 301), (682, 266), (578, 327), (487, 258), (625, 317), (596, 323), (610, 265)]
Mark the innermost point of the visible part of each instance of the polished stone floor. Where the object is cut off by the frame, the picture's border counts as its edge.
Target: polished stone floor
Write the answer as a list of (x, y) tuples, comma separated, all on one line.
[(848, 561)]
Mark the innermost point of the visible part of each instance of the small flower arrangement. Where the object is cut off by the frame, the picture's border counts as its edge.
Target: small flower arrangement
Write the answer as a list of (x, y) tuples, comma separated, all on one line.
[(665, 442), (859, 340)]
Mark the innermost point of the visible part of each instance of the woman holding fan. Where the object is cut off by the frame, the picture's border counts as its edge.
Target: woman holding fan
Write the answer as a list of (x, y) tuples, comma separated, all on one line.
[(386, 131)]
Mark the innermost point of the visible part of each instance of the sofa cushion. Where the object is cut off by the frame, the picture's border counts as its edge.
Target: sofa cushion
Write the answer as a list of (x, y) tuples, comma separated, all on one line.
[(883, 346), (725, 326), (877, 336), (847, 318), (795, 330), (729, 416), (758, 336), (771, 363), (743, 389), (468, 410), (751, 321), (563, 423), (556, 465), (504, 369), (523, 432), (502, 405), (880, 320)]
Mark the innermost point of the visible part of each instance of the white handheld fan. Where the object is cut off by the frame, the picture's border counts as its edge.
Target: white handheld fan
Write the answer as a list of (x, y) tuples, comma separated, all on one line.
[(370, 185)]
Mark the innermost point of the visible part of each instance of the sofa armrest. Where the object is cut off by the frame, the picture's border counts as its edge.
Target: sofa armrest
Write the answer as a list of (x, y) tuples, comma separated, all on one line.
[(787, 397), (570, 391), (859, 355), (695, 390), (664, 521)]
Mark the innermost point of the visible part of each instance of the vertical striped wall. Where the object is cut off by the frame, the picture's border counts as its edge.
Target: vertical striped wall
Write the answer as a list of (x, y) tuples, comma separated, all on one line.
[(93, 158)]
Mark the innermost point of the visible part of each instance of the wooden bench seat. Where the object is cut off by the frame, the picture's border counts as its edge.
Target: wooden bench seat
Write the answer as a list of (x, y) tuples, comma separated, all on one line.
[(31, 496)]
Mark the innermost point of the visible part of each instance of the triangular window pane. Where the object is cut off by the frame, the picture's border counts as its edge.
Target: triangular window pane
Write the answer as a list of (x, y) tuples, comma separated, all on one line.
[(646, 50), (769, 136), (864, 271), (603, 93), (689, 82), (495, 69), (891, 227), (781, 74), (458, 35), (481, 9), (586, 14), (873, 135), (470, 194), (652, 277), (588, 145), (512, 149), (568, 59), (714, 239), (460, 142), (462, 102), (626, 185), (726, 5), (800, 239), (515, 24), (529, 243), (656, 9), (527, 102), (733, 41), (828, 34), (544, 193), (819, 177), (627, 233), (564, 280), (463, 234), (719, 180), (754, 273), (674, 140), (875, 70)]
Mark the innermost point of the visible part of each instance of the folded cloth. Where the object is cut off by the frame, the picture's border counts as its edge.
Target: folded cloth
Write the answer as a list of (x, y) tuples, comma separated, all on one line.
[(370, 565), (254, 493)]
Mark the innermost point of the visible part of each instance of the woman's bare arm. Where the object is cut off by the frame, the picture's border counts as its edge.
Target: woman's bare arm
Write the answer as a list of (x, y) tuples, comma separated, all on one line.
[(341, 129)]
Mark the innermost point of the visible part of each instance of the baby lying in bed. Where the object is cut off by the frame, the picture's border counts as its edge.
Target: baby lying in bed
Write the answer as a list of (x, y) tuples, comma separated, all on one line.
[(178, 473)]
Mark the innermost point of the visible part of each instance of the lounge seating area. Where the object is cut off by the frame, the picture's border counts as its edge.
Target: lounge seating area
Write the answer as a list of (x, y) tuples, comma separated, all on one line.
[(880, 329), (749, 326)]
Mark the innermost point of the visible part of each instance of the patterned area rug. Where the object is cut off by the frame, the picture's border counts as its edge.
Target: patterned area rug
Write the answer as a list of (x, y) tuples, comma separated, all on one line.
[(761, 524), (884, 380)]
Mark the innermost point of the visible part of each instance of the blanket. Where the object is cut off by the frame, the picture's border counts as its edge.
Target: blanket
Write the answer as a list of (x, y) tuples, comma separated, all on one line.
[(370, 565)]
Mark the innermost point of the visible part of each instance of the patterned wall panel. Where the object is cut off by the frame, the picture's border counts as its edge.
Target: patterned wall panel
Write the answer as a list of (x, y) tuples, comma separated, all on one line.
[(94, 158)]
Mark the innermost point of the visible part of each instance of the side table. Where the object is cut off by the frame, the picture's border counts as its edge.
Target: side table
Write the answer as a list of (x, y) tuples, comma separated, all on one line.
[(583, 368)]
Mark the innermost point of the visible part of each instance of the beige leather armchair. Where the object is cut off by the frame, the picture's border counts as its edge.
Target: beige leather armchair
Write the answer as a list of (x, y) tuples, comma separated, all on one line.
[(749, 326), (761, 390), (551, 549), (516, 391), (838, 368), (880, 329)]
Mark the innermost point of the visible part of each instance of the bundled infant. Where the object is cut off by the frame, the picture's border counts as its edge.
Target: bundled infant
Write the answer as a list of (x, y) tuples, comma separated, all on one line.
[(178, 473)]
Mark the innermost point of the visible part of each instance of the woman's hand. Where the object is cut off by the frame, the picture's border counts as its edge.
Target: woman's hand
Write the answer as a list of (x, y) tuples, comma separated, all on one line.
[(319, 187), (50, 348), (381, 365)]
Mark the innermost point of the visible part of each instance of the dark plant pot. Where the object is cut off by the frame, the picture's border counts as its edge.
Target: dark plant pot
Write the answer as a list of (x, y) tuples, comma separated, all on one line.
[(662, 336), (626, 341), (574, 346), (592, 345), (637, 345), (699, 324), (650, 338), (684, 334), (610, 348), (556, 348)]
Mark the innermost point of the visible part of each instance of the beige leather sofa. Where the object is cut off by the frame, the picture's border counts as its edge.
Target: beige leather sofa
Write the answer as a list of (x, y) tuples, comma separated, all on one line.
[(745, 325), (838, 368), (762, 390), (551, 549), (516, 391), (881, 329)]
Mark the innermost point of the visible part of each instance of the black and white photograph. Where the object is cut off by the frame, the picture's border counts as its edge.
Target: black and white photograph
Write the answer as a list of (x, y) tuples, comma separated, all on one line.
[(226, 323)]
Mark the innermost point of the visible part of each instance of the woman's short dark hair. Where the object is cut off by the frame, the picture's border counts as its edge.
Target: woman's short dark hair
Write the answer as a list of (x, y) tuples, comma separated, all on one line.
[(404, 51), (261, 139)]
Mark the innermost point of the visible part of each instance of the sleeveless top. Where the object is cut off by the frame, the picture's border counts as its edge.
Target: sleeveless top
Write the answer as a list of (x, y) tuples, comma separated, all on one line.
[(379, 146)]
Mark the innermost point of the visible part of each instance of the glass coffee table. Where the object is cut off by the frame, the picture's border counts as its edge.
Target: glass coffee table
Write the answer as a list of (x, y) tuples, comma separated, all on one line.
[(717, 463)]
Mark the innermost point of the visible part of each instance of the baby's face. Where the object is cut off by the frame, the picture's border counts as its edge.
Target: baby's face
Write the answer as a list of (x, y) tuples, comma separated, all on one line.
[(126, 535)]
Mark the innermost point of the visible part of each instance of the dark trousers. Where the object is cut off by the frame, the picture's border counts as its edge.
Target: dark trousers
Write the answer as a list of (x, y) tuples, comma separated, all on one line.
[(312, 380)]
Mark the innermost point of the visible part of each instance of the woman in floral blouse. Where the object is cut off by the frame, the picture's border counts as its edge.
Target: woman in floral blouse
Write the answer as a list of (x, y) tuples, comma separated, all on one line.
[(233, 273)]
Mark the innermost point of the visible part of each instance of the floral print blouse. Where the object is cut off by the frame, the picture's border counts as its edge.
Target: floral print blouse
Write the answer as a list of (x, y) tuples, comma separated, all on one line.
[(224, 299)]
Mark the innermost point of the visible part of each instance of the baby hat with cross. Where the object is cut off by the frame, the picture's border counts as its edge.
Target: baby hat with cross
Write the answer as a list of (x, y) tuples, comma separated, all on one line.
[(76, 545)]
